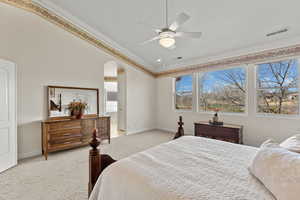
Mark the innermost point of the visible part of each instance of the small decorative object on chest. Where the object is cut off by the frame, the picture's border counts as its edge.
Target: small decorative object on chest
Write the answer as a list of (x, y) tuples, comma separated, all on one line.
[(215, 119)]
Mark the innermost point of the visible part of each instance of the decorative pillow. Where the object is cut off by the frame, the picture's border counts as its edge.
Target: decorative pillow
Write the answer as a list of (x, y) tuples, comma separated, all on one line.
[(279, 170), (269, 143), (292, 143)]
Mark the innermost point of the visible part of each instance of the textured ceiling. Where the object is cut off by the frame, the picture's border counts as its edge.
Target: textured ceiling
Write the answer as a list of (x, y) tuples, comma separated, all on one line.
[(229, 27)]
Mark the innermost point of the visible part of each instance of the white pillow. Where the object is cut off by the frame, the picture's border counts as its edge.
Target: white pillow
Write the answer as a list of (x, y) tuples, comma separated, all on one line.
[(279, 170), (269, 143), (292, 143)]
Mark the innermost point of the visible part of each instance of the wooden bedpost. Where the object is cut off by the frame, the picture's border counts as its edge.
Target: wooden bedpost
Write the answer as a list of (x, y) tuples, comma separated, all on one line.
[(94, 161), (97, 162), (180, 131)]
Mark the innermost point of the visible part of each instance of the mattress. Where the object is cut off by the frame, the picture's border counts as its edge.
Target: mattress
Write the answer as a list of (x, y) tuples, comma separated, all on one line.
[(189, 168)]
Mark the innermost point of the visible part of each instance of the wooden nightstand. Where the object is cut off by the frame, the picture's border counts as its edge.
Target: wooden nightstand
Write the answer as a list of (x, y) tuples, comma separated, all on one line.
[(227, 132)]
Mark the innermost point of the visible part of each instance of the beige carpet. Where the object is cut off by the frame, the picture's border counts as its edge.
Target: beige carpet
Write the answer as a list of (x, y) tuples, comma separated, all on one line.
[(64, 176)]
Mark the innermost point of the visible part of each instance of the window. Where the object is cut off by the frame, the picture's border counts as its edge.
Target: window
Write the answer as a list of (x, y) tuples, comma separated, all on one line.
[(277, 87), (223, 90), (184, 92)]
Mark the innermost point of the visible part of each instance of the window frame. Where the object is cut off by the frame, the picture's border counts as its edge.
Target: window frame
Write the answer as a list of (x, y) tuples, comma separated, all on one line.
[(256, 88), (174, 93), (245, 113)]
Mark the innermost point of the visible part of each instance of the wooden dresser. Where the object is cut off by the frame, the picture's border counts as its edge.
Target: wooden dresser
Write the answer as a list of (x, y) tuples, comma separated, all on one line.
[(227, 132), (69, 133)]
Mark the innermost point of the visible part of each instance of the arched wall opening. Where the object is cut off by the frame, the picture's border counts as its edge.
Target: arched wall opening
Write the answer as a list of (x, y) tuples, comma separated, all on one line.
[(115, 96)]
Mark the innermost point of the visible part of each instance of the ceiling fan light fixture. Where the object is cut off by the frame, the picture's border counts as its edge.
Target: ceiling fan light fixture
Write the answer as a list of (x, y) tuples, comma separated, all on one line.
[(167, 42)]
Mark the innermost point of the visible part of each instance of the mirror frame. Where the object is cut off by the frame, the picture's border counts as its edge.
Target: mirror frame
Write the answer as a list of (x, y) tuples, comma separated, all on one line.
[(76, 88)]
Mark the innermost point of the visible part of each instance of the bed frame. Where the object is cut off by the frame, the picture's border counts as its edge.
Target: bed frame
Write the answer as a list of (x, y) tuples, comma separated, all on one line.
[(98, 162), (180, 131)]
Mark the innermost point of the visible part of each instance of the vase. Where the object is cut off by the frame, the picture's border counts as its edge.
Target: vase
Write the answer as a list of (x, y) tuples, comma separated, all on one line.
[(77, 114)]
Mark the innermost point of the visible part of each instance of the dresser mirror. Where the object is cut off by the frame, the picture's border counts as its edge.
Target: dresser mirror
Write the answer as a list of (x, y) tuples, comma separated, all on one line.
[(60, 97)]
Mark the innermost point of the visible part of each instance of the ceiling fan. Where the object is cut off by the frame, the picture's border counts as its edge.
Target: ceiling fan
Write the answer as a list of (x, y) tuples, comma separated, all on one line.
[(166, 36)]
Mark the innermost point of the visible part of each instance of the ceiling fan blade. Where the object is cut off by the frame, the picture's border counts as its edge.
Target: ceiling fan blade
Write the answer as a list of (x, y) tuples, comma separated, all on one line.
[(151, 40), (188, 34), (181, 18)]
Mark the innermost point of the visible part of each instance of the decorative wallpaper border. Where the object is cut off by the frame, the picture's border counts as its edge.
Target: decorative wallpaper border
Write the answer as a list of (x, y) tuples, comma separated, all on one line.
[(259, 57), (29, 5), (262, 56)]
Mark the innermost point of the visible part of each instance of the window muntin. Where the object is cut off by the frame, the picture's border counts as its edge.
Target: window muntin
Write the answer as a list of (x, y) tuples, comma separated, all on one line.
[(277, 87), (223, 90), (184, 92)]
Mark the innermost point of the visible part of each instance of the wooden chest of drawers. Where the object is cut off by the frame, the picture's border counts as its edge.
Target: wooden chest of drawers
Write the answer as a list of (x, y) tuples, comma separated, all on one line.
[(69, 133), (227, 132)]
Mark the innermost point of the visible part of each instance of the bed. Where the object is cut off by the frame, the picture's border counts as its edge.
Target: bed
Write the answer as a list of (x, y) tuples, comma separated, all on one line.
[(188, 168)]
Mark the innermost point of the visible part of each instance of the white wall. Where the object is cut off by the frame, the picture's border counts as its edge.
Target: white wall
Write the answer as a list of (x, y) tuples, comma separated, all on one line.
[(47, 55), (256, 128), (141, 101)]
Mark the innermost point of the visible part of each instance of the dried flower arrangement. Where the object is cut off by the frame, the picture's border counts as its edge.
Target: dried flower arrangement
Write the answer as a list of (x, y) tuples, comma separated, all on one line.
[(77, 108)]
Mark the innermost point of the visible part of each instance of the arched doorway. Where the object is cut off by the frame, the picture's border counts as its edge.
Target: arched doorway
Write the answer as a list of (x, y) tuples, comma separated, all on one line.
[(115, 97)]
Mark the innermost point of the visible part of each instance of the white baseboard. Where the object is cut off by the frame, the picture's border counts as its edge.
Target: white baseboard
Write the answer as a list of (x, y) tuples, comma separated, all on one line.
[(29, 154), (167, 130), (140, 131)]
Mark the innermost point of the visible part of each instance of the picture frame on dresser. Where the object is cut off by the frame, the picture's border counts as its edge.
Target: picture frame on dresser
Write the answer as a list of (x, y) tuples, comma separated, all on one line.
[(61, 131)]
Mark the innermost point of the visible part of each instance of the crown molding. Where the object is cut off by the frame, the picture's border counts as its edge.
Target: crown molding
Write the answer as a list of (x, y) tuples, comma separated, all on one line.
[(96, 33), (266, 44), (258, 57), (50, 16)]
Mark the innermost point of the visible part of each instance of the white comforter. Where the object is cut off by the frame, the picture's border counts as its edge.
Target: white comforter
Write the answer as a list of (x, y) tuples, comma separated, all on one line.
[(189, 168)]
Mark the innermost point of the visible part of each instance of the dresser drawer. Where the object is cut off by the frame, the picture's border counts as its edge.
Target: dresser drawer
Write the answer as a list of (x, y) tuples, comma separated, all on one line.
[(65, 131), (65, 125), (65, 135), (65, 140), (65, 143)]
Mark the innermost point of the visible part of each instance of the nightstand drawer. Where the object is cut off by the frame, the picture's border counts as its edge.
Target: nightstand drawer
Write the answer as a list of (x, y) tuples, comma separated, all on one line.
[(230, 133)]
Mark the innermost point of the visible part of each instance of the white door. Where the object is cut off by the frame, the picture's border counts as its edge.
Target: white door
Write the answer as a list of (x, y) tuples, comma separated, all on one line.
[(122, 101), (8, 136)]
